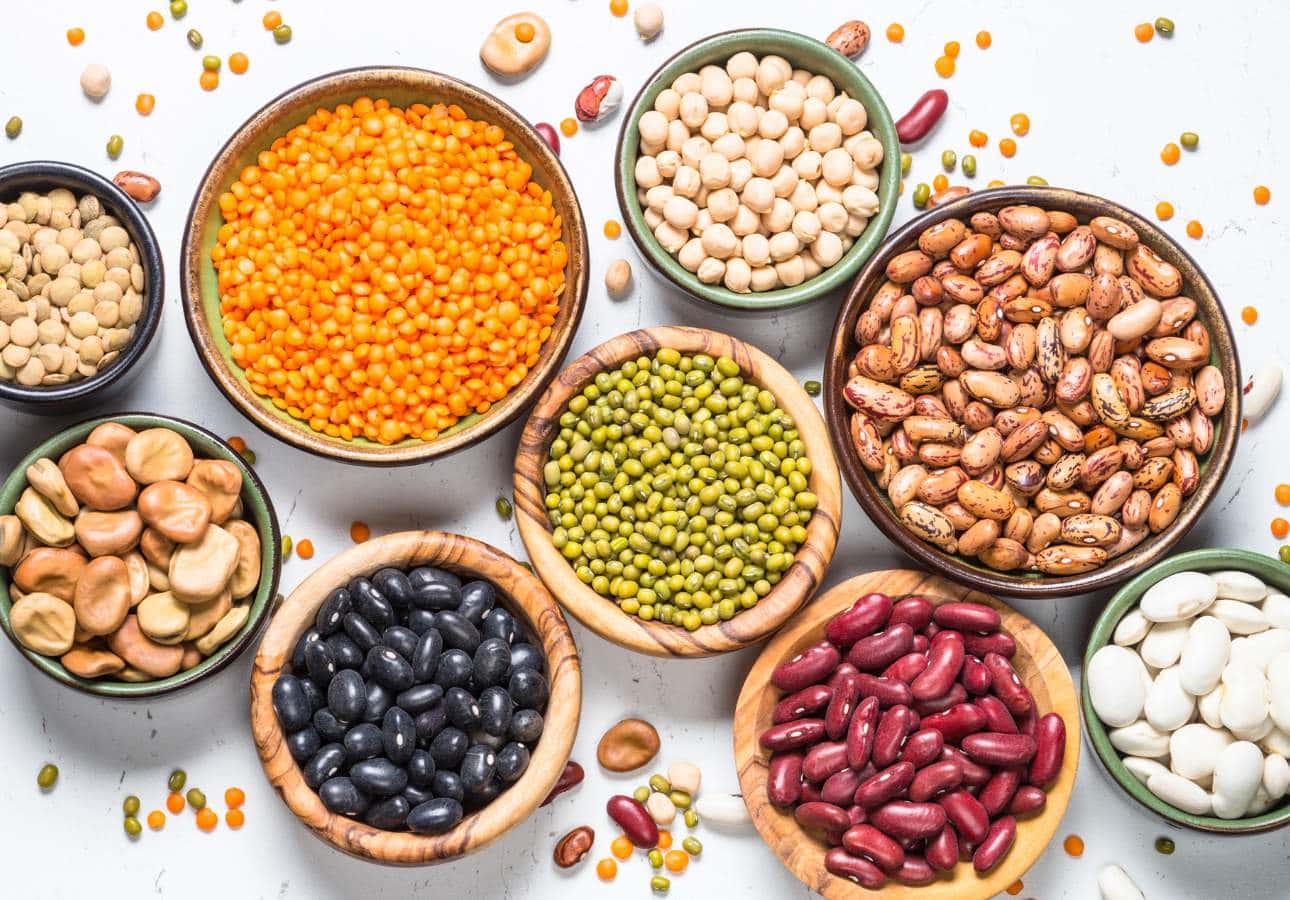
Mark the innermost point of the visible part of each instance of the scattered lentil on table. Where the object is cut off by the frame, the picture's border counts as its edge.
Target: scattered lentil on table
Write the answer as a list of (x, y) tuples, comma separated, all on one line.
[(75, 36), (984, 40), (895, 32), (1262, 195)]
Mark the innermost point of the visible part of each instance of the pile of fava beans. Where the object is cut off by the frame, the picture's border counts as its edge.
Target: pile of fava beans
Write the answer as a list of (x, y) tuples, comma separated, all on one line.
[(906, 740)]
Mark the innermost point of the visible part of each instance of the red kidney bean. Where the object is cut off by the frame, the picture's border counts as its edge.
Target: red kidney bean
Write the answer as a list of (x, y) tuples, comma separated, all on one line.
[(997, 717), (866, 616), (973, 775), (860, 733), (907, 668), (1050, 747), (1027, 800), (856, 814), (998, 791), (793, 735), (1026, 724), (845, 695), (804, 702), (969, 617), (922, 747), (889, 691), (833, 838), (934, 779), (925, 113), (944, 660), (915, 611), (569, 779), (908, 821), (864, 873), (784, 779), (840, 672), (823, 760), (967, 815), (877, 651), (921, 643), (1007, 686), (915, 871), (956, 723), (975, 676), (633, 820), (981, 644), (809, 667), (996, 844), (824, 816), (810, 793), (840, 787), (888, 783), (895, 725), (866, 840), (931, 629), (953, 697), (942, 851), (994, 748)]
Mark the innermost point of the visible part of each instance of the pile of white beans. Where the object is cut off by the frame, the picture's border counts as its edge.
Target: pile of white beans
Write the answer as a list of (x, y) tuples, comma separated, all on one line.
[(1195, 688), (756, 175)]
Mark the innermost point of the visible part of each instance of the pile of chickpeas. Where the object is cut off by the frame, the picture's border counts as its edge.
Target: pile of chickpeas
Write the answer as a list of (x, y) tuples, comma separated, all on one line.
[(756, 175)]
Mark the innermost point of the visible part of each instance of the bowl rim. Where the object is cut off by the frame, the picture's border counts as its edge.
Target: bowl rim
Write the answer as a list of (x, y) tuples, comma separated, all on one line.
[(797, 585), (480, 828), (370, 80), (1209, 559), (875, 503), (773, 40), (31, 172), (757, 700), (262, 602)]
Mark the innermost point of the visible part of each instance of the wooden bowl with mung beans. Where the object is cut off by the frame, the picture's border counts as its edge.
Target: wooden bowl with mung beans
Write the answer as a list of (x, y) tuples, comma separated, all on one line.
[(671, 551), (1033, 391)]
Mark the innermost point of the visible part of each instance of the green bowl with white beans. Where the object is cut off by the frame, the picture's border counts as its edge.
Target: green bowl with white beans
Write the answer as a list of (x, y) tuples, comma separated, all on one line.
[(831, 241)]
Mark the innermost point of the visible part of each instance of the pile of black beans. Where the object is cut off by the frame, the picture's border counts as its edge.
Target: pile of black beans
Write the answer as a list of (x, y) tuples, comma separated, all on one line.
[(413, 699)]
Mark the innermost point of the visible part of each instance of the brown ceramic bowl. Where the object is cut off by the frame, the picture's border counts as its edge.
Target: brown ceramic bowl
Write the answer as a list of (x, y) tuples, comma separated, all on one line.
[(401, 86), (1214, 464)]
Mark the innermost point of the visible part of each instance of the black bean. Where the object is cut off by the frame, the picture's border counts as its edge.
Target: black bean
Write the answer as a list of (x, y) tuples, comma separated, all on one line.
[(420, 620), (371, 604), (428, 577), (418, 698), (527, 687), (347, 696), (454, 669), (447, 784), (526, 725), (500, 624), (485, 795), (304, 743), (378, 701), (345, 650), (480, 736), (495, 710), (332, 611), (477, 767), (319, 662), (448, 747), (388, 814), (492, 662), (512, 760), (340, 796), (298, 654), (330, 728), (435, 816), (363, 742), (389, 669), (378, 777), (525, 654), (401, 640), (458, 631), (361, 630), (394, 586), (420, 769), (477, 599), (463, 709), (291, 703), (425, 659), (399, 732), (431, 722), (317, 696), (417, 795), (324, 764)]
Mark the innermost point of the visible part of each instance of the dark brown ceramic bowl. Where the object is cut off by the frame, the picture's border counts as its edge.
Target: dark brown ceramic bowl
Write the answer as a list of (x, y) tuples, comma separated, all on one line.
[(1214, 464), (401, 86)]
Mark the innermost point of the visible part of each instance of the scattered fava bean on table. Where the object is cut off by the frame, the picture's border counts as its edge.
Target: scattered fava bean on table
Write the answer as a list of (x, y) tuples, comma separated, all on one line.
[(628, 745), (516, 45)]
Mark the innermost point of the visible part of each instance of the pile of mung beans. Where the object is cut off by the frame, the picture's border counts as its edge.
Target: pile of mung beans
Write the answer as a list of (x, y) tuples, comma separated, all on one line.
[(678, 489)]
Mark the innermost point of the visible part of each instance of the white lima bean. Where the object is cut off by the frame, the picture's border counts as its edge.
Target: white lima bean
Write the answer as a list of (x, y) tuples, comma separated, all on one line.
[(1140, 739), (1194, 750), (1116, 688), (1240, 617), (1178, 596), (1245, 696), (1276, 609), (722, 809), (1261, 391), (1168, 706), (1237, 775), (1163, 644), (1236, 585), (1113, 883), (1276, 776), (1180, 792), (1278, 674)]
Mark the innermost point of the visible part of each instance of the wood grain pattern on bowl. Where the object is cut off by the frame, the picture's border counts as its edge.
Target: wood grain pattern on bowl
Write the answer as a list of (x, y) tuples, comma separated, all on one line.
[(1038, 663), (401, 86), (522, 594), (1214, 464), (602, 615)]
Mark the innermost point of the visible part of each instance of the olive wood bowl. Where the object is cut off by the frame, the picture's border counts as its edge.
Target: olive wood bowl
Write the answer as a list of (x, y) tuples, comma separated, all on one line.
[(522, 594), (1277, 576), (1037, 661), (602, 615), (1214, 464), (401, 86), (258, 511)]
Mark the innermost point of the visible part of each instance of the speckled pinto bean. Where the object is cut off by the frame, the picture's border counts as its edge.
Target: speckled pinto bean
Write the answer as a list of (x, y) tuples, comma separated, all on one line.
[(1050, 747), (860, 733), (793, 735), (853, 868), (895, 725), (883, 786), (1007, 685), (908, 821), (957, 722), (784, 779), (811, 666), (821, 815), (922, 747), (846, 693), (823, 760), (868, 841), (944, 660), (970, 617), (866, 616), (907, 668), (889, 691), (877, 651), (1003, 832), (634, 820)]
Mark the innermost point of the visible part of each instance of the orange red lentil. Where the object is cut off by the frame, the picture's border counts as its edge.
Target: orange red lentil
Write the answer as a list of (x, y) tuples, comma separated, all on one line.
[(1282, 494), (952, 49), (1249, 315), (359, 532), (75, 36), (234, 797), (305, 549), (206, 819), (272, 19), (156, 820), (525, 32), (144, 104), (994, 183), (606, 869), (1195, 229), (175, 803), (1020, 123), (1008, 147), (621, 847), (1073, 845), (676, 861), (1170, 154), (1280, 528), (208, 80), (612, 229), (984, 40), (895, 32), (944, 66), (155, 20), (1015, 888), (238, 63), (1262, 195), (664, 839), (1143, 32), (235, 818), (237, 443), (1164, 210), (978, 138), (568, 127), (384, 272), (618, 7), (940, 182)]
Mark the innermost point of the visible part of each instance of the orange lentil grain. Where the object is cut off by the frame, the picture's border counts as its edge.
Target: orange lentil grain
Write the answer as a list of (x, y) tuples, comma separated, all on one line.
[(359, 532), (612, 229), (895, 32), (1020, 123), (978, 138), (1282, 494), (234, 797), (237, 443), (1170, 154), (568, 127), (155, 20), (175, 803), (676, 861), (1262, 195), (385, 272), (1280, 528), (1164, 210), (206, 819), (75, 36), (1245, 423), (621, 847), (940, 182), (525, 32), (1008, 147), (664, 839), (1015, 888), (984, 40), (238, 63), (944, 66), (1249, 315), (1143, 32), (144, 104), (606, 869), (209, 80), (156, 820), (305, 549), (235, 818), (618, 7), (1195, 229), (1073, 845), (272, 19), (952, 49)]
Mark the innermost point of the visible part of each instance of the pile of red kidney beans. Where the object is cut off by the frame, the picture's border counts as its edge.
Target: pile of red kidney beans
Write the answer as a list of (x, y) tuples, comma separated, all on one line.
[(908, 741)]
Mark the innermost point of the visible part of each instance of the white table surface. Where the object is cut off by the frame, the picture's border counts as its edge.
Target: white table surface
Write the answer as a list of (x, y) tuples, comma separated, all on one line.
[(1101, 105)]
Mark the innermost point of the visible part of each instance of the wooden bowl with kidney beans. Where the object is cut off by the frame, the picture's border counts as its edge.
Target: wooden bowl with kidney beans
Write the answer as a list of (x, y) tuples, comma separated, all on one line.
[(958, 712), (1033, 391)]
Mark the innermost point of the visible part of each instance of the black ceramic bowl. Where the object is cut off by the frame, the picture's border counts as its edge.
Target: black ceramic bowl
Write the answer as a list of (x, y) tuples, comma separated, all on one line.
[(45, 175)]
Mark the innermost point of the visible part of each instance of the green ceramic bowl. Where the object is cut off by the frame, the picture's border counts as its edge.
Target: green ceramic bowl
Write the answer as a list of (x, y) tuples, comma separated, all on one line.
[(1275, 574), (805, 53), (258, 511)]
